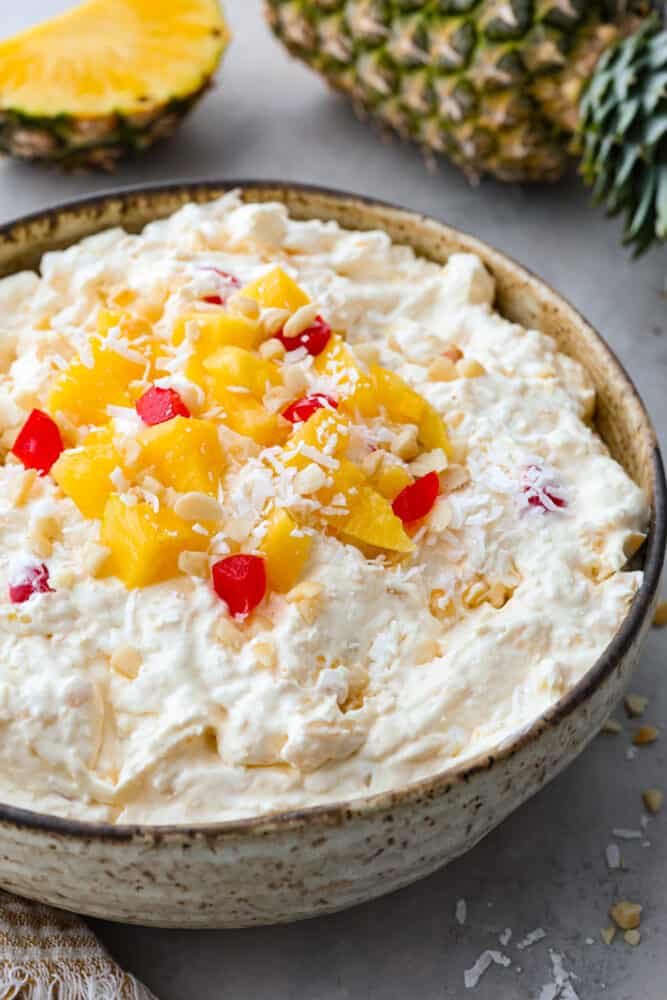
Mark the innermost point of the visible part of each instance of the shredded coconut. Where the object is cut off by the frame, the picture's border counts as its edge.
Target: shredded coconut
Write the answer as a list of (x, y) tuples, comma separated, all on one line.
[(531, 938), (472, 976)]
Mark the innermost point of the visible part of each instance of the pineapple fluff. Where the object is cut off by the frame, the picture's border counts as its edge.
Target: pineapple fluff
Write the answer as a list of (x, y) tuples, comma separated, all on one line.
[(287, 515)]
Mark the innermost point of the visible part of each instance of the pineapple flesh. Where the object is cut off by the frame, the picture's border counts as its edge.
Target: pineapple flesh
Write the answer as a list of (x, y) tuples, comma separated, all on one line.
[(105, 79), (493, 84)]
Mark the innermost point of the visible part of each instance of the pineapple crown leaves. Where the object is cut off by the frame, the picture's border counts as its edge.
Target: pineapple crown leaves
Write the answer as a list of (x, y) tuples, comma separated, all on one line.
[(623, 134)]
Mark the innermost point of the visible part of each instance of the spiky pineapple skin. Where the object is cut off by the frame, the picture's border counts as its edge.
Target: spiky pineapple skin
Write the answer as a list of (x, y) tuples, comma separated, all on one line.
[(623, 134), (98, 143), (493, 84)]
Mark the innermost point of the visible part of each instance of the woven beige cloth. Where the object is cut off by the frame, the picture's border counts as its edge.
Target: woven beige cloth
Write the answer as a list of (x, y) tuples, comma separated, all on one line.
[(48, 954)]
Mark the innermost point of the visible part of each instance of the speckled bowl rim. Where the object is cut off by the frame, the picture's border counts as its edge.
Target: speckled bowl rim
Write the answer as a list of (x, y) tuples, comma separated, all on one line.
[(340, 812)]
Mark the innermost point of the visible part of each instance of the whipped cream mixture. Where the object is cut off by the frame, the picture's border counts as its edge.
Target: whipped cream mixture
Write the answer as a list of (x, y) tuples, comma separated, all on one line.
[(153, 704)]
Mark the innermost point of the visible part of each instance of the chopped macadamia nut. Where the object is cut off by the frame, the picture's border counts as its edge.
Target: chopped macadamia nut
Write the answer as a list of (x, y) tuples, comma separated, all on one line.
[(228, 634), (469, 368), (405, 443), (307, 596), (301, 320), (632, 937), (612, 727), (653, 799), (454, 478), (442, 370), (198, 507), (194, 564), (272, 350), (126, 660), (243, 305), (93, 558), (635, 705), (24, 487), (273, 320), (608, 934)]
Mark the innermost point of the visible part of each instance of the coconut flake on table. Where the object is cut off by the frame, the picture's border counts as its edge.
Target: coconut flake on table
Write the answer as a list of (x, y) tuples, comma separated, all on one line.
[(613, 856), (472, 976), (531, 938), (561, 988), (461, 911)]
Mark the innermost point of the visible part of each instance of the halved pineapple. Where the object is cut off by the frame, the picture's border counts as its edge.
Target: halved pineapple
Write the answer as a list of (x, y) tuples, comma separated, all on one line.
[(106, 78)]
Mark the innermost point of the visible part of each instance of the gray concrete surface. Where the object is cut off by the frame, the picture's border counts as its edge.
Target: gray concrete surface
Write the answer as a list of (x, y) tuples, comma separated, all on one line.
[(545, 867)]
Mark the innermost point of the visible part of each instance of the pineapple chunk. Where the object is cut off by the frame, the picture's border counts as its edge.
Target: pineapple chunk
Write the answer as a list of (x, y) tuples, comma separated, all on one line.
[(345, 480), (276, 290), (432, 431), (245, 415), (372, 522), (183, 453), (327, 431), (83, 475), (138, 333), (356, 389), (389, 480), (216, 330), (406, 406), (403, 404), (286, 551), (83, 392), (145, 545), (237, 367)]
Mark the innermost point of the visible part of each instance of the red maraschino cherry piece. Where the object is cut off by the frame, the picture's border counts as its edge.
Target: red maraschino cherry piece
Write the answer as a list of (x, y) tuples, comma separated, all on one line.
[(314, 338), (417, 499), (240, 581), (540, 492), (32, 580), (39, 443), (230, 279), (157, 405), (304, 408)]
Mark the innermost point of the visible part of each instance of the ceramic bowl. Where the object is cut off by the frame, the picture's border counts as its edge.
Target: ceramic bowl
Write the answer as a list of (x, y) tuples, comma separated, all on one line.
[(286, 866)]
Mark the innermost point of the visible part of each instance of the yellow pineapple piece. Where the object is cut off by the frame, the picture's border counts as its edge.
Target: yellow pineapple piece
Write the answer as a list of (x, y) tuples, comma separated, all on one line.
[(432, 431), (286, 549), (276, 290), (236, 366), (145, 545), (183, 453), (390, 479), (216, 330), (326, 431), (138, 333), (372, 522), (355, 388), (245, 415), (83, 391), (403, 404), (83, 475), (100, 435)]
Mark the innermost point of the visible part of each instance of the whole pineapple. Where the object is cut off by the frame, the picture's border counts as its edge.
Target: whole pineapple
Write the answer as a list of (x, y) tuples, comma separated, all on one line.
[(507, 87)]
